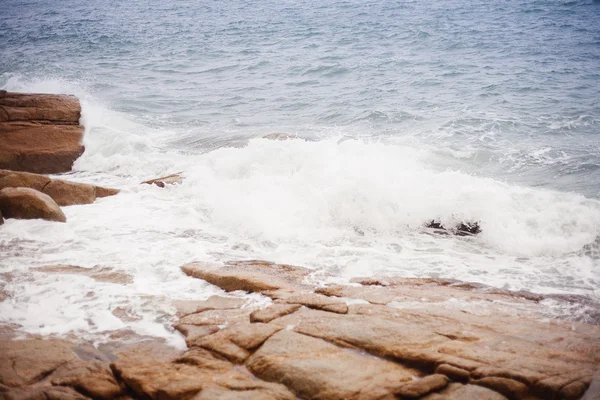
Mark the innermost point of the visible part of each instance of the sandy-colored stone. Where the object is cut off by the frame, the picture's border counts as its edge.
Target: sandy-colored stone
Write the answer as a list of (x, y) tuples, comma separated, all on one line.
[(105, 192), (273, 311), (173, 179), (216, 317), (39, 132), (92, 378), (69, 193), (194, 332), (64, 193), (23, 179), (310, 300), (421, 387), (26, 203), (180, 380), (23, 362), (249, 276), (508, 387), (454, 373), (42, 393), (237, 341), (315, 369), (457, 391), (185, 307)]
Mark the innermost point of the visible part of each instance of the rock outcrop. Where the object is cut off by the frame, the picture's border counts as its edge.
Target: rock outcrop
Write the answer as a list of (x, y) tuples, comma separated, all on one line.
[(396, 338), (26, 203), (393, 338), (39, 132), (64, 193)]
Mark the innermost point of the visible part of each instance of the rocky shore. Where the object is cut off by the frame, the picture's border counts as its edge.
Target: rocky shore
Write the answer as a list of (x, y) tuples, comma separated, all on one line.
[(370, 338)]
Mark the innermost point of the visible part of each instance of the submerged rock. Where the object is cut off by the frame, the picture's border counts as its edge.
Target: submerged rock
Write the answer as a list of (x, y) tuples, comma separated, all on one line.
[(26, 203), (462, 229), (39, 132), (173, 179)]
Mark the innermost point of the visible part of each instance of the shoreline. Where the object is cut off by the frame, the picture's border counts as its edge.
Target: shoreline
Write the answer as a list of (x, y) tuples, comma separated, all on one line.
[(285, 334)]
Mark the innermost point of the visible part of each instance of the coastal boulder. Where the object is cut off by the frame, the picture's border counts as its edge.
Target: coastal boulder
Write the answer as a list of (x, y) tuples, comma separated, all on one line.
[(39, 132), (26, 203), (64, 193)]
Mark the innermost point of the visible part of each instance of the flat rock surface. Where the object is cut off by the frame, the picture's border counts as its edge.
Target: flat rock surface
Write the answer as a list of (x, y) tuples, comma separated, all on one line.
[(39, 132)]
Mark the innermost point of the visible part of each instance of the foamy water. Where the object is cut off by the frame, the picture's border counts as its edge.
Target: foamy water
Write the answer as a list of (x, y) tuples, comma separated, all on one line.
[(396, 130)]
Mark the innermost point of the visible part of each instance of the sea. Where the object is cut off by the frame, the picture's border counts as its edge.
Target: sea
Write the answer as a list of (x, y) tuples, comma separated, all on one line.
[(325, 134)]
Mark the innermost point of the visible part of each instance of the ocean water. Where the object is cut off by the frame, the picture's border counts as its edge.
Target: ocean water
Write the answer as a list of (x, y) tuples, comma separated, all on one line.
[(396, 113)]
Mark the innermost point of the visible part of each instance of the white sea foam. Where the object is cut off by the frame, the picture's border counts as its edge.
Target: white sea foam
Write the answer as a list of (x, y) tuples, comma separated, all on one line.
[(343, 207)]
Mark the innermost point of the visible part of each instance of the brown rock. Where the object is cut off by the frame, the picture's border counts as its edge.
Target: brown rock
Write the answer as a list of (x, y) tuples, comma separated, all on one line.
[(178, 380), (273, 311), (70, 193), (42, 393), (25, 203), (23, 179), (574, 390), (311, 300), (39, 133), (510, 388), (93, 379), (193, 332), (216, 317), (423, 386), (23, 362), (376, 333), (50, 108), (185, 307), (454, 373), (174, 179), (105, 192), (1, 218), (237, 341), (457, 391), (315, 369), (249, 276), (64, 193)]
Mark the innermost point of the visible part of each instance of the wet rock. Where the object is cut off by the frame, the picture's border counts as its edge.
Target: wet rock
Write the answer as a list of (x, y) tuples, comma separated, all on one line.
[(1, 218), (457, 391), (42, 393), (185, 307), (273, 311), (508, 387), (93, 379), (98, 273), (181, 380), (423, 386), (315, 369), (454, 373), (25, 203), (311, 300), (22, 179), (39, 132), (461, 229), (23, 362), (64, 193), (173, 179), (237, 341), (249, 276)]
